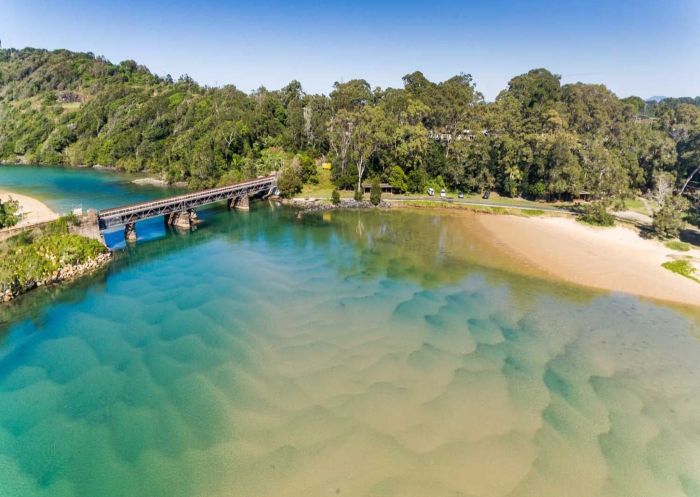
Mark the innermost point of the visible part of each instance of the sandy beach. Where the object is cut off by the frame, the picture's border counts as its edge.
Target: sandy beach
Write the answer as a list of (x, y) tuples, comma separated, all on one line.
[(615, 259), (33, 211)]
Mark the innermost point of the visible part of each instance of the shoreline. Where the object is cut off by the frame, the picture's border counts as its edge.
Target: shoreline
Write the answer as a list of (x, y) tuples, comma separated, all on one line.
[(614, 259), (33, 211), (557, 246)]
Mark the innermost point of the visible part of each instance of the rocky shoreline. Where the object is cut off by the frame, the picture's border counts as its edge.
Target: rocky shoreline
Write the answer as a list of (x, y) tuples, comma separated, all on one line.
[(66, 273), (318, 204)]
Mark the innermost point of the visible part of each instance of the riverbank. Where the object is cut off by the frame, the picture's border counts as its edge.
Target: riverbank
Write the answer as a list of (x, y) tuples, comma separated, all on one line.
[(554, 244), (615, 259), (61, 275), (47, 253), (33, 211)]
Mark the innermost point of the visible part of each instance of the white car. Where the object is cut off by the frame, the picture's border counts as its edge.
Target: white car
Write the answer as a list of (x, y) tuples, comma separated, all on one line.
[(431, 192), (442, 193)]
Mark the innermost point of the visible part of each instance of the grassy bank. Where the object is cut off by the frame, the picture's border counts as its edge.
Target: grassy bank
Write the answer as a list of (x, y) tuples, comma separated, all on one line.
[(36, 255)]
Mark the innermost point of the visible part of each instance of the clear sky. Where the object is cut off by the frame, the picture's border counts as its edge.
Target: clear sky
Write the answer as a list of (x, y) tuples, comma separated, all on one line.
[(642, 47)]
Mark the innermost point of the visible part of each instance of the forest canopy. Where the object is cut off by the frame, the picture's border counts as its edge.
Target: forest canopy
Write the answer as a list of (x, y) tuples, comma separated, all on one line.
[(538, 139)]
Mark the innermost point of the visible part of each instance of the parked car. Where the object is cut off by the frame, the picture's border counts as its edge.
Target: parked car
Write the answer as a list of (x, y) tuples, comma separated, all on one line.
[(442, 193), (486, 194), (431, 192), (460, 195)]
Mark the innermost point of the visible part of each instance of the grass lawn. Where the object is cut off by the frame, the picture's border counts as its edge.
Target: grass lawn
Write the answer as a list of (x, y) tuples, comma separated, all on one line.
[(325, 186)]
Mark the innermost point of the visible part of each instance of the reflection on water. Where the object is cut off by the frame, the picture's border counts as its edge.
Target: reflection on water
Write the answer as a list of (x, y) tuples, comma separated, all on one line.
[(361, 354)]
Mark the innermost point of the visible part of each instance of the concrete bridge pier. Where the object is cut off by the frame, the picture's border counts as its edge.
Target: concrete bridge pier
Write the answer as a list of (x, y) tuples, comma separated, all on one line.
[(241, 203), (182, 219), (130, 232)]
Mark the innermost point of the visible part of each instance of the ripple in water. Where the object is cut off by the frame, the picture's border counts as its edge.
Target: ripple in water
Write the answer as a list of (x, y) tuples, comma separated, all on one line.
[(369, 356)]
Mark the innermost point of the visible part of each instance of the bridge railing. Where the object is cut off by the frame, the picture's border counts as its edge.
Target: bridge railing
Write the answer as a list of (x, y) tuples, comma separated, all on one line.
[(125, 209)]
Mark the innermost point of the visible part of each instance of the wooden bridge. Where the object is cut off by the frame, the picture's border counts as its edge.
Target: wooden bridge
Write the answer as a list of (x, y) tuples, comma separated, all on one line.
[(180, 210)]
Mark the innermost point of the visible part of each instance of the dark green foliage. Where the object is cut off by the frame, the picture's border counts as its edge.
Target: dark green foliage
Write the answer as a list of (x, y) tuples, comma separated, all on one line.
[(375, 192), (670, 218), (358, 194), (596, 213), (8, 213), (398, 180), (416, 181), (289, 180), (539, 138), (335, 196)]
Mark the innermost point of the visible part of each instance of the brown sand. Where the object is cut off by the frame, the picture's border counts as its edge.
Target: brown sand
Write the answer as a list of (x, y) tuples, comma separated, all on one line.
[(615, 259)]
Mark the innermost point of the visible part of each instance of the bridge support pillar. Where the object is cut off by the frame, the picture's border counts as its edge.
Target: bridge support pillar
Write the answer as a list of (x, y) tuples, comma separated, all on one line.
[(183, 219), (130, 232), (242, 203)]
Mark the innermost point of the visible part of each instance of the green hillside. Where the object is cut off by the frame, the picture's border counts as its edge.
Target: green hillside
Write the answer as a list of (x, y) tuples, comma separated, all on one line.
[(538, 139)]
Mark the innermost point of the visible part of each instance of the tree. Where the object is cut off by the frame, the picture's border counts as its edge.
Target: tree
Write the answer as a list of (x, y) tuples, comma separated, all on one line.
[(351, 96), (368, 135), (9, 213), (416, 181), (596, 213), (335, 196), (340, 133), (375, 193), (669, 219), (358, 194), (690, 158), (663, 186), (397, 179), (289, 180)]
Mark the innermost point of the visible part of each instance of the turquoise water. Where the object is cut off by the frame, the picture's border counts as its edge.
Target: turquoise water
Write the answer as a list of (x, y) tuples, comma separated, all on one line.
[(353, 353), (64, 189)]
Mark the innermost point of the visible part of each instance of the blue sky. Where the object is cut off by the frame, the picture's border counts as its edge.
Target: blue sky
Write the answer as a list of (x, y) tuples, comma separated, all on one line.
[(638, 47)]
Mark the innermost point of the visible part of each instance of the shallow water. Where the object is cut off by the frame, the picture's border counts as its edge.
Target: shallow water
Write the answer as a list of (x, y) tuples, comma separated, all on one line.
[(353, 353), (64, 189)]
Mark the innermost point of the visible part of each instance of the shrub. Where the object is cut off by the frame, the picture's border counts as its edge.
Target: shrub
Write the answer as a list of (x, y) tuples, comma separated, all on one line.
[(398, 180), (537, 190), (359, 194), (8, 213), (335, 196), (596, 213), (669, 220), (309, 173), (289, 181), (375, 193), (30, 259)]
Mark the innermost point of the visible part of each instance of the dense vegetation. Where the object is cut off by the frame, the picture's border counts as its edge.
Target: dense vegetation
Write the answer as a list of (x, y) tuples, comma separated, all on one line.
[(538, 139), (9, 215), (34, 255)]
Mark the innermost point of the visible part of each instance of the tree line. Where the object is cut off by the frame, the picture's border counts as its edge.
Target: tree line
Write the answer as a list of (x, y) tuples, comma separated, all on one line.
[(538, 138)]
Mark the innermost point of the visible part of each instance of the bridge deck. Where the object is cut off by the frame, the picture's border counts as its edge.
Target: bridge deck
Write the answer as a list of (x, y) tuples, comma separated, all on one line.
[(131, 213)]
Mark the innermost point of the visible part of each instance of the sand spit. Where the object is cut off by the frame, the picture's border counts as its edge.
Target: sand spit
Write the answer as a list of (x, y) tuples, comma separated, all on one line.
[(615, 259), (32, 210)]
